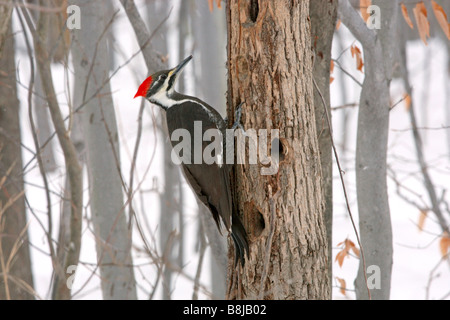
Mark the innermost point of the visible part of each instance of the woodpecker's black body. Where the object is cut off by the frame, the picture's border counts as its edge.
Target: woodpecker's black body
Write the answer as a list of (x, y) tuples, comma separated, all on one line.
[(210, 182)]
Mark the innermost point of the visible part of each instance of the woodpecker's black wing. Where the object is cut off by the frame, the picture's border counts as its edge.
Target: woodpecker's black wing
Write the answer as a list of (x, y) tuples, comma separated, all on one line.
[(210, 182)]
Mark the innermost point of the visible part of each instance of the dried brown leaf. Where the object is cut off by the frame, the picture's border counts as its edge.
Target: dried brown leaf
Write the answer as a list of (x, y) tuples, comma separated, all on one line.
[(406, 16), (359, 60), (340, 257), (342, 286), (363, 5), (211, 4), (348, 245), (422, 217), (444, 244), (441, 18), (407, 99), (423, 25)]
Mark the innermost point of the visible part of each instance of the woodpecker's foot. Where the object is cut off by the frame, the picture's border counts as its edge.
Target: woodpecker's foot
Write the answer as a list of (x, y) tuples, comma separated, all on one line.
[(237, 117)]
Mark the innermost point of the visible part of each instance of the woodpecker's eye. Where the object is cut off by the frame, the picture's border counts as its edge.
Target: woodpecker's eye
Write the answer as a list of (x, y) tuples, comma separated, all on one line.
[(163, 77)]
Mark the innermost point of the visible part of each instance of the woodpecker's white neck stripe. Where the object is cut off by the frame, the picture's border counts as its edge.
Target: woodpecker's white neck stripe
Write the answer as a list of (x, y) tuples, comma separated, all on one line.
[(163, 99)]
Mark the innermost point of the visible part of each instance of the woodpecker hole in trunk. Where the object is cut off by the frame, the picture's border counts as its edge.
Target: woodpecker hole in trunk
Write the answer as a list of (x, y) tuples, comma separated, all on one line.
[(254, 10), (256, 220), (284, 148)]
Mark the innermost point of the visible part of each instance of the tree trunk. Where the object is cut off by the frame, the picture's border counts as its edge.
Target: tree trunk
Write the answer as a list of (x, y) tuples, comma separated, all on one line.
[(13, 221), (5, 17), (210, 37), (90, 59), (44, 129), (169, 202), (371, 148), (323, 15), (270, 71)]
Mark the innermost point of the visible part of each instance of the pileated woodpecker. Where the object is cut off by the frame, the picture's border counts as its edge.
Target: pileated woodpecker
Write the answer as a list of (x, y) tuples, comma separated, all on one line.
[(210, 182)]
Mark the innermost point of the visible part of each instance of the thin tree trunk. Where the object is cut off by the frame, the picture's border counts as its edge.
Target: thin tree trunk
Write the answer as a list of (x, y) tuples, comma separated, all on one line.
[(64, 230), (6, 9), (210, 37), (270, 71), (13, 220), (41, 112), (371, 148), (73, 168), (90, 59), (44, 129), (323, 15), (170, 198), (345, 112)]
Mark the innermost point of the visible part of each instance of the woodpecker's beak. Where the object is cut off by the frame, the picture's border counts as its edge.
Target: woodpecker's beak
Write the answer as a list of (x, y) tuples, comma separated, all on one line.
[(177, 70)]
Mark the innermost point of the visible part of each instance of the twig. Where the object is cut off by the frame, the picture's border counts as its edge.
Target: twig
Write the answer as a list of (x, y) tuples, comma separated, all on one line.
[(344, 106), (397, 103), (200, 264), (421, 128), (429, 186), (133, 162), (432, 276), (393, 176), (343, 186), (338, 64)]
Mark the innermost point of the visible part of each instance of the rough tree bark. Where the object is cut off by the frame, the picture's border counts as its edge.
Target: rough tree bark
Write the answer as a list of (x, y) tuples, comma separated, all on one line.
[(13, 220), (90, 60), (323, 15), (270, 70)]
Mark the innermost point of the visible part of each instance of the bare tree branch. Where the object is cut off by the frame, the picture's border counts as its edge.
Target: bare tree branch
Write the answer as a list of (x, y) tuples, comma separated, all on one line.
[(143, 36), (356, 25), (418, 144)]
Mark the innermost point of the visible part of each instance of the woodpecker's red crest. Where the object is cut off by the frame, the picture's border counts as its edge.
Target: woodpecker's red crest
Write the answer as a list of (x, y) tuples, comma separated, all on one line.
[(144, 87)]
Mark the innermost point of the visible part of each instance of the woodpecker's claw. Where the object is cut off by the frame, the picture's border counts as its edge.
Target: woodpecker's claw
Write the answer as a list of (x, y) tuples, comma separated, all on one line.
[(237, 117)]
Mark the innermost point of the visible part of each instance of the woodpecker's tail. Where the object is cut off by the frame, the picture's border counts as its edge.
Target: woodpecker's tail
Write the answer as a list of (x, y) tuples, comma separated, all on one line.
[(240, 240)]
